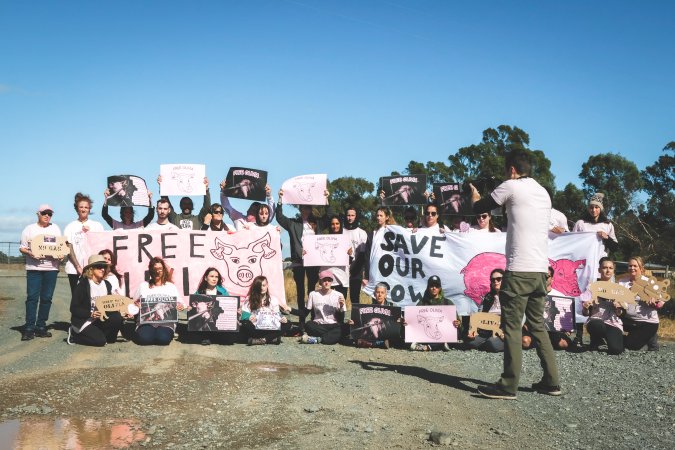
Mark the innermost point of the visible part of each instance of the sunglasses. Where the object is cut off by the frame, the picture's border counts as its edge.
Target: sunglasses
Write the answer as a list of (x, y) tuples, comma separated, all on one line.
[(496, 279), (217, 211), (483, 216), (430, 213), (46, 213)]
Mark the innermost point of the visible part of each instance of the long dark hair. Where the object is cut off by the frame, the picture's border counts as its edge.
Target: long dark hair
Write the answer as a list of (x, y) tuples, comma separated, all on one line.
[(255, 296), (257, 215), (330, 221), (202, 283), (166, 277), (113, 263)]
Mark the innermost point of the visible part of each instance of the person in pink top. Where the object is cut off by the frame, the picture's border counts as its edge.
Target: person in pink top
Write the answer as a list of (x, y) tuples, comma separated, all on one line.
[(641, 320)]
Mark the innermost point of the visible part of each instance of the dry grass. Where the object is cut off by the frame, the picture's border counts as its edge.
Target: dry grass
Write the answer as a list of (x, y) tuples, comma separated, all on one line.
[(667, 328)]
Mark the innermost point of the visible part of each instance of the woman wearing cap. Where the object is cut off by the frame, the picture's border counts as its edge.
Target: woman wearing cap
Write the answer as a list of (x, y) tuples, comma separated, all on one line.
[(75, 233), (87, 327), (260, 307), (433, 295), (485, 224), (328, 309), (160, 285), (641, 320), (595, 220)]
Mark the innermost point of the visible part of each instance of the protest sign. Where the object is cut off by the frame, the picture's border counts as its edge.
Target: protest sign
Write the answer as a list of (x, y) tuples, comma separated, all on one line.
[(118, 303), (182, 179), (127, 190), (158, 309), (326, 250), (49, 245), (375, 322), (213, 313), (559, 313), (430, 324), (305, 190), (404, 190), (249, 184), (266, 319)]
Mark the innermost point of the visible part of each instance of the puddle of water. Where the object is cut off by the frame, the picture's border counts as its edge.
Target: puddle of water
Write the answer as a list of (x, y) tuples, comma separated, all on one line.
[(287, 369), (69, 433)]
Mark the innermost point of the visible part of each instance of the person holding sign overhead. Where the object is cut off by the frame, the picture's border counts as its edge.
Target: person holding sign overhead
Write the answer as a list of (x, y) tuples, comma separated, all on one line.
[(187, 220), (41, 275)]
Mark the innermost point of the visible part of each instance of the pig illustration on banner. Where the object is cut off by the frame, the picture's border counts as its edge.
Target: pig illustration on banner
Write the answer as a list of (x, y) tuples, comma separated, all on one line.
[(477, 274), (244, 263), (565, 275)]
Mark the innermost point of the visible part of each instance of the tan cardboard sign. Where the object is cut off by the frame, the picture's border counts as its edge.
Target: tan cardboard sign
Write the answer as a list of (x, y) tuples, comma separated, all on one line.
[(45, 245), (485, 321), (118, 303)]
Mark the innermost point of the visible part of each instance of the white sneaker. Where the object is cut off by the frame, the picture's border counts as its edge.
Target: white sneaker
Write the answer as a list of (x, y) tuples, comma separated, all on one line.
[(419, 347), (70, 334), (446, 347)]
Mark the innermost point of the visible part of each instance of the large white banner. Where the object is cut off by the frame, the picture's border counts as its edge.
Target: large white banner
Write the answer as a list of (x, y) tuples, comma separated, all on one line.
[(463, 261), (239, 257)]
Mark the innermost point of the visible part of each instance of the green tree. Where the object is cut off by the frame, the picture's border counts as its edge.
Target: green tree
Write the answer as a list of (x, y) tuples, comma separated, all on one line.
[(356, 193), (616, 177), (571, 202)]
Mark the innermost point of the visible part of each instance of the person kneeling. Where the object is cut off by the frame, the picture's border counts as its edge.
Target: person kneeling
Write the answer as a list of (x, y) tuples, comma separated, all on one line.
[(328, 309), (262, 321)]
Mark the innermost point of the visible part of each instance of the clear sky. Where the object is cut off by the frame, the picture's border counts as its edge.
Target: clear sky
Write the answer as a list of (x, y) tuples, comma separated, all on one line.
[(91, 89)]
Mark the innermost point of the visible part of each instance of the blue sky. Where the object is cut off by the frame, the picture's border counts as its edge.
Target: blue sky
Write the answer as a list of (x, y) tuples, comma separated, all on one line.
[(91, 89)]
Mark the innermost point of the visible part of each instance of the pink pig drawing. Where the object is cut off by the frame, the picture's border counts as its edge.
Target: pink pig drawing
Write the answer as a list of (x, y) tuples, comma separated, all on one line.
[(477, 274), (565, 275)]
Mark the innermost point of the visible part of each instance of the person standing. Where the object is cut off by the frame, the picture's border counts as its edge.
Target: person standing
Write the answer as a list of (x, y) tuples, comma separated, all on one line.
[(358, 238), (163, 223), (528, 208), (40, 275), (75, 233), (187, 220)]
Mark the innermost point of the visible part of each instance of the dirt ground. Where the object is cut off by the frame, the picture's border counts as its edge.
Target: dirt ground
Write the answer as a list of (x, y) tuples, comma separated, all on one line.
[(294, 395)]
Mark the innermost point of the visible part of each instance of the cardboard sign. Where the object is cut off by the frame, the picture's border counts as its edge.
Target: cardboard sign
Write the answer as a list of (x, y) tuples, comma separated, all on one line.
[(611, 291), (182, 179), (650, 288), (430, 324), (487, 322), (119, 303), (404, 190), (158, 308), (127, 190), (213, 313), (375, 322), (326, 250), (245, 183), (49, 245), (266, 319), (559, 313), (305, 190)]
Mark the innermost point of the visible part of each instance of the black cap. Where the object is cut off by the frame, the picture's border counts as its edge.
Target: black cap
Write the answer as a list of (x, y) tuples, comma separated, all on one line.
[(434, 281)]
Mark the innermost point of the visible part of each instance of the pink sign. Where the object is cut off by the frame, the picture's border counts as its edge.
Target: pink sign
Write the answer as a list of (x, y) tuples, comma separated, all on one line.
[(430, 324), (239, 257), (305, 190), (326, 250)]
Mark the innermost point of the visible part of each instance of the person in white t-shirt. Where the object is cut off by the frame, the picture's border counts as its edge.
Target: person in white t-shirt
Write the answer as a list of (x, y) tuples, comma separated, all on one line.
[(162, 223), (41, 275), (328, 308), (76, 235), (528, 208), (358, 238), (595, 220)]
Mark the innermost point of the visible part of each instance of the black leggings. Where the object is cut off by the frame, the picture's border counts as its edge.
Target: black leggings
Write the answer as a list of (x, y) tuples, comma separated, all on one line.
[(599, 330), (299, 278), (640, 334), (249, 330), (329, 333), (99, 332), (355, 290)]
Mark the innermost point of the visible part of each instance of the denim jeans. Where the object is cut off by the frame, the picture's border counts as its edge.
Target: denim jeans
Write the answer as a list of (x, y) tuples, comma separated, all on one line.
[(40, 286)]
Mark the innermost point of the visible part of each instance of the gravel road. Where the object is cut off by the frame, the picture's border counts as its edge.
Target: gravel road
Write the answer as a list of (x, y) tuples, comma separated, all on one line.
[(313, 396)]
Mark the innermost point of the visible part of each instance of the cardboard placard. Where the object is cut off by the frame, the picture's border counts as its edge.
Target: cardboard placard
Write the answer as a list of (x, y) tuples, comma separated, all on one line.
[(249, 184), (559, 313), (119, 303), (485, 321), (182, 179), (49, 245), (404, 190), (127, 190), (213, 313), (430, 324), (305, 190), (611, 291), (375, 322), (326, 250), (158, 308)]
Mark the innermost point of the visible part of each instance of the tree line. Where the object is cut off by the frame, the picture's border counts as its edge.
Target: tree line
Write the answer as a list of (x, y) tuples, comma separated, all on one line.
[(640, 203)]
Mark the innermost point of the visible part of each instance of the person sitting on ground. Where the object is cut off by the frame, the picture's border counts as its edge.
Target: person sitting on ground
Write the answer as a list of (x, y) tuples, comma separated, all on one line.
[(114, 277), (87, 326), (211, 284), (379, 298), (641, 320), (433, 295), (328, 309), (262, 314), (604, 323), (483, 339)]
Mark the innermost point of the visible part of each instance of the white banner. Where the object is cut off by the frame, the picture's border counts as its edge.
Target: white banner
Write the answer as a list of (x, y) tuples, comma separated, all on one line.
[(463, 261), (182, 179), (305, 190)]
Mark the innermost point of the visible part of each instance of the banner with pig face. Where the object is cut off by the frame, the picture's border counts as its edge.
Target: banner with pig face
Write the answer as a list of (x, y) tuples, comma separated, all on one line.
[(239, 257), (182, 179), (305, 190), (463, 261), (326, 250)]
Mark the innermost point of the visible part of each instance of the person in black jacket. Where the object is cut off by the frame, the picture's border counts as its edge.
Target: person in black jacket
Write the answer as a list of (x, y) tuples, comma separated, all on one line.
[(86, 327)]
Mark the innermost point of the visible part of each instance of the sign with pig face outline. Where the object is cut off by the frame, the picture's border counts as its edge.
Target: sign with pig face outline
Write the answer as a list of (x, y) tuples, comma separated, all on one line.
[(326, 250), (305, 190)]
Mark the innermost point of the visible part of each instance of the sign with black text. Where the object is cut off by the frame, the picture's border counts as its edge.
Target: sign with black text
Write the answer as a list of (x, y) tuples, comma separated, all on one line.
[(375, 322), (213, 313), (404, 190), (245, 183)]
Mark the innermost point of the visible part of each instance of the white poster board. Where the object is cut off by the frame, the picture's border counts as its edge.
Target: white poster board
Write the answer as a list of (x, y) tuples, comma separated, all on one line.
[(182, 179), (305, 190), (326, 250)]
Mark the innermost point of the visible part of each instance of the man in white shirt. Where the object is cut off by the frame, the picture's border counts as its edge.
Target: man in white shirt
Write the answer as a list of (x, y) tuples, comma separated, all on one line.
[(528, 208), (163, 209)]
